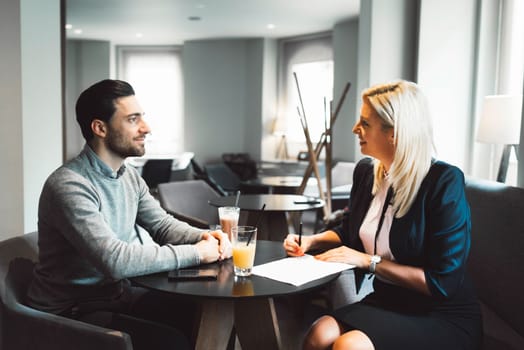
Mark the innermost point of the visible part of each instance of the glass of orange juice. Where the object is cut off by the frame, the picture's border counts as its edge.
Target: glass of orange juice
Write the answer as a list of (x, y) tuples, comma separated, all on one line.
[(244, 241)]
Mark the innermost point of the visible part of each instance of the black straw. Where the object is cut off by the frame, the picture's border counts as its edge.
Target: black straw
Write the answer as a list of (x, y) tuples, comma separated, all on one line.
[(258, 222)]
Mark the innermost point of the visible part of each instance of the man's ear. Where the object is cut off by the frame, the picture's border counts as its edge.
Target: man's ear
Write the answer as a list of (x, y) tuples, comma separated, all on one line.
[(99, 128)]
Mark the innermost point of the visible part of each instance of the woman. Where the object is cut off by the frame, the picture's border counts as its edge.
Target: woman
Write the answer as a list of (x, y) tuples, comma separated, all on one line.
[(409, 225)]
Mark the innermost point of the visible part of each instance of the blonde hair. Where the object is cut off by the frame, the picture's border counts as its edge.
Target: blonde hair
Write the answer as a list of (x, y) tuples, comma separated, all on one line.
[(402, 106)]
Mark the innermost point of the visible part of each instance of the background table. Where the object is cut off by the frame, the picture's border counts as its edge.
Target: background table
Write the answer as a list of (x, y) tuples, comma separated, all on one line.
[(273, 224), (277, 184), (244, 305)]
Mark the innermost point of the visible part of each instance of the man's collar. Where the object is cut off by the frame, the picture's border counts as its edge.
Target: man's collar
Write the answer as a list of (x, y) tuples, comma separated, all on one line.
[(99, 165)]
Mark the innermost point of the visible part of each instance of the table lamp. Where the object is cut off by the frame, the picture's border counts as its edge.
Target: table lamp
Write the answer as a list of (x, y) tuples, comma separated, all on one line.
[(500, 124), (278, 129)]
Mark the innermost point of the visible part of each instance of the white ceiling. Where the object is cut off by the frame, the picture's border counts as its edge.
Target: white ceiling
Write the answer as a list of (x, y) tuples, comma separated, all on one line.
[(166, 21)]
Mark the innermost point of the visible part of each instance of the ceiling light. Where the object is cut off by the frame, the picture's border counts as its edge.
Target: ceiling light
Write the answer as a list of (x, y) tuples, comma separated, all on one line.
[(270, 26), (78, 31), (139, 35), (68, 26)]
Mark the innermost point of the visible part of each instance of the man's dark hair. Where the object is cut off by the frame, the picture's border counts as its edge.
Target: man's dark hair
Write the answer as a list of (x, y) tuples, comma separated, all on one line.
[(98, 102)]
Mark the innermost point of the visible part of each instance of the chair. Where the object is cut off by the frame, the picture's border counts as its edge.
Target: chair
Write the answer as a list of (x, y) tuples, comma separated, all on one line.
[(342, 174), (188, 201), (241, 164), (22, 327), (157, 171), (225, 179), (198, 172)]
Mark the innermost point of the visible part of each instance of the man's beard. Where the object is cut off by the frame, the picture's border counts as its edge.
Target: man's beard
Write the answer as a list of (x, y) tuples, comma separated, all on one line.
[(123, 148)]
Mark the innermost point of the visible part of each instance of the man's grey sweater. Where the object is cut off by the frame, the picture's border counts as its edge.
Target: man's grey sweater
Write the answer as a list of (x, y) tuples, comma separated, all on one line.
[(92, 225)]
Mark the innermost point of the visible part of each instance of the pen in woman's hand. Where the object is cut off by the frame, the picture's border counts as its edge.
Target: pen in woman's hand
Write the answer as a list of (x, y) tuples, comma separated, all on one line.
[(300, 234)]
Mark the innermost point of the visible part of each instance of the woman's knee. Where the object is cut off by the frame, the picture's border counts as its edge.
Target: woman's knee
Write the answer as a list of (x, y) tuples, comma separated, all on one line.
[(322, 333), (353, 340)]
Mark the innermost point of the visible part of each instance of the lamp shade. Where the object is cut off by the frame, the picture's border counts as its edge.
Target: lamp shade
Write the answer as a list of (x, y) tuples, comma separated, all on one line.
[(278, 127), (500, 119)]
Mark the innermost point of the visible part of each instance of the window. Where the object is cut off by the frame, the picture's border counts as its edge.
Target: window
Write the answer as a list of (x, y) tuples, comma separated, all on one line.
[(311, 59), (501, 57), (316, 88), (156, 75), (511, 63)]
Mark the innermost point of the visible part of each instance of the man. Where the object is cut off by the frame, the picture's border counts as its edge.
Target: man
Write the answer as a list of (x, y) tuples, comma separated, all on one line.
[(98, 225)]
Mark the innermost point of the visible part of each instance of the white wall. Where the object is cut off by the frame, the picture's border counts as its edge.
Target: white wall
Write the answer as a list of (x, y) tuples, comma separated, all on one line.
[(511, 67), (393, 33), (41, 99), (386, 43), (87, 61), (11, 157), (30, 100), (446, 72), (216, 91), (486, 77), (268, 142), (345, 56), (254, 95)]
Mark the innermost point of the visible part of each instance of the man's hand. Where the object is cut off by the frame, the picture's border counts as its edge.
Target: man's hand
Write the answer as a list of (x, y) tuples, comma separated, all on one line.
[(208, 249), (225, 248)]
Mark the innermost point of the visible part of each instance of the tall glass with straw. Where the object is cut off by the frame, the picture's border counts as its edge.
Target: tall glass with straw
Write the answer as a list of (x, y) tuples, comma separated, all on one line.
[(244, 241)]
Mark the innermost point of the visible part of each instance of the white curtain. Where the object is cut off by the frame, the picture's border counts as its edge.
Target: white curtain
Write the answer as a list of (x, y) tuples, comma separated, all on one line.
[(156, 75)]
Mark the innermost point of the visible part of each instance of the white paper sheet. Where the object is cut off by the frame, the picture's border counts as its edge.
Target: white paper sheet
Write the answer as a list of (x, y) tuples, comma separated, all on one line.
[(299, 270)]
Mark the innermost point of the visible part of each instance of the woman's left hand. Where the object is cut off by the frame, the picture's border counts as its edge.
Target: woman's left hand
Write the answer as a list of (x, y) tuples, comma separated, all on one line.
[(346, 255)]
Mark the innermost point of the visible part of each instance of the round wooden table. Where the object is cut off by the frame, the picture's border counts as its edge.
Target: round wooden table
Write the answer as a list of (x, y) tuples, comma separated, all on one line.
[(244, 304)]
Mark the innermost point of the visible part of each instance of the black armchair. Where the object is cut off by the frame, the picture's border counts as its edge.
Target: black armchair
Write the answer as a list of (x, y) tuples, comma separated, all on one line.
[(189, 201), (157, 171), (22, 327), (223, 178)]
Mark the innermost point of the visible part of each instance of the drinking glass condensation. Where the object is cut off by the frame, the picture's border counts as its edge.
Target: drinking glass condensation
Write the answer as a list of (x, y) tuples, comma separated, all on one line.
[(228, 218), (244, 240)]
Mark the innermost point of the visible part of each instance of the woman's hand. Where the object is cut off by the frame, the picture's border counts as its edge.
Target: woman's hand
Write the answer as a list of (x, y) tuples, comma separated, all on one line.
[(403, 275), (346, 255), (319, 241), (291, 245), (225, 248)]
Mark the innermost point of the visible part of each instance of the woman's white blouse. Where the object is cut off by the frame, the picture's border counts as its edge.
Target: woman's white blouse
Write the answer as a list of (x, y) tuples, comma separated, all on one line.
[(370, 224)]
